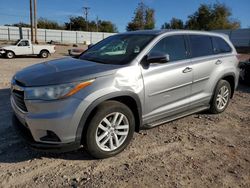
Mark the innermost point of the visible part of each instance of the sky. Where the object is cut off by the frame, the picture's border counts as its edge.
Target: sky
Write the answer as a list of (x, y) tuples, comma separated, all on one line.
[(120, 12)]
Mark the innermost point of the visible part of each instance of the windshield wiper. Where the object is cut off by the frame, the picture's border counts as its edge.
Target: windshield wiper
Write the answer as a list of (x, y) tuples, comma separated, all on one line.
[(93, 60)]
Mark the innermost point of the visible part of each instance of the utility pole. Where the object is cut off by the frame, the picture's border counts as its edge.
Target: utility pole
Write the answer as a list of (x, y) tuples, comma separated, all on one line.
[(97, 23), (31, 21), (35, 21), (86, 12)]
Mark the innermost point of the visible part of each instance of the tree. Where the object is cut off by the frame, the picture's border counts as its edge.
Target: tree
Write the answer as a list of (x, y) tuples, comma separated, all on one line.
[(175, 23), (212, 17), (107, 26), (149, 19), (20, 24), (79, 24), (143, 19), (76, 23), (48, 24)]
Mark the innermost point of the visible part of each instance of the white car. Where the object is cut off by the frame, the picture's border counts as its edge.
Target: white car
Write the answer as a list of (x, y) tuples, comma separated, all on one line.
[(25, 47)]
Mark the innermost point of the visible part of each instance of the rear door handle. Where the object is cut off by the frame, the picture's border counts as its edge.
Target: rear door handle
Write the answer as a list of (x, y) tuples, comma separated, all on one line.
[(218, 62), (187, 69)]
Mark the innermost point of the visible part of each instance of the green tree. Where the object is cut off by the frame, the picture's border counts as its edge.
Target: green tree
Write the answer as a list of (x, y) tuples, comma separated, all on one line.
[(175, 23), (20, 24), (48, 24), (80, 24), (107, 26), (211, 17), (143, 19), (76, 23), (149, 19)]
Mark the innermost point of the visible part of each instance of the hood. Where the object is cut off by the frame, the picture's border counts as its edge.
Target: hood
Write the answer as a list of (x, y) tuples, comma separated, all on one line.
[(6, 47), (63, 71)]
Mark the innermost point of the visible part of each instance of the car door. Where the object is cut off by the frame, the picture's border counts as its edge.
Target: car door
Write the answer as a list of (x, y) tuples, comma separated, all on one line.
[(167, 85), (204, 63), (23, 48)]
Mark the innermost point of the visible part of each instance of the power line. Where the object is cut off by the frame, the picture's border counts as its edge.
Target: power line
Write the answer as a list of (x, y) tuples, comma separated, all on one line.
[(14, 15)]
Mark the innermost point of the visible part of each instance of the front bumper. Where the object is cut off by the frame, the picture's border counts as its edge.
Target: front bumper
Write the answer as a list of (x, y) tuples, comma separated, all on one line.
[(27, 137), (2, 52), (59, 118)]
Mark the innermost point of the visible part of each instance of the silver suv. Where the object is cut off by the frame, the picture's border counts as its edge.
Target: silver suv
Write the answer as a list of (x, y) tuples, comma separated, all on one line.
[(120, 85)]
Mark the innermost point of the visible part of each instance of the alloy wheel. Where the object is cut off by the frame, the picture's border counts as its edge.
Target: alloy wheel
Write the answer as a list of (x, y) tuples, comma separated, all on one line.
[(112, 131), (222, 98)]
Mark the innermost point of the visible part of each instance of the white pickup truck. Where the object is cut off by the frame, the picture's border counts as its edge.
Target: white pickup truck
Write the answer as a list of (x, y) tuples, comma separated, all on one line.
[(25, 47)]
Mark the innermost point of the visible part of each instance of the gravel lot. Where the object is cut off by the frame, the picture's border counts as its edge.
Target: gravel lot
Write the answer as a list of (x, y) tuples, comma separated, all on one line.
[(200, 150)]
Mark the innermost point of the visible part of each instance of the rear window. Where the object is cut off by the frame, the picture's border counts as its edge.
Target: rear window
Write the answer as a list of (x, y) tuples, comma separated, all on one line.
[(220, 46), (201, 45)]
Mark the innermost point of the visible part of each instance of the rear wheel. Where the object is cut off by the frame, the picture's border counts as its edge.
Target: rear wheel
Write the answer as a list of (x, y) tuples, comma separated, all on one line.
[(44, 54), (10, 54), (110, 130), (221, 97)]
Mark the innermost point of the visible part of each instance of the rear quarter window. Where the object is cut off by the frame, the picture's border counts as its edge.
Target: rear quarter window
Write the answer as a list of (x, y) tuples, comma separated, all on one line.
[(220, 45), (201, 45)]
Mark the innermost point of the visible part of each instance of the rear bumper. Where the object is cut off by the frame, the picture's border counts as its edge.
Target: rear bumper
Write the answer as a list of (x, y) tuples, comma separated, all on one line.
[(26, 135)]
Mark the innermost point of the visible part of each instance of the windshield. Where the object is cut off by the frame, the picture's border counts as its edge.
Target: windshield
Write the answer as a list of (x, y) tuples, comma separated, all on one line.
[(117, 49), (17, 42)]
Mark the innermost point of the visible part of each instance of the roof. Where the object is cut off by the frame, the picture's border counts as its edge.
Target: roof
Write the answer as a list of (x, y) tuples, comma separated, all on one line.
[(159, 32), (148, 32)]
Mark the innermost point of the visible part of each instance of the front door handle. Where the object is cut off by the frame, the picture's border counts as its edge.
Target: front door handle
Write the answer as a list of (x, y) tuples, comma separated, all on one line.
[(218, 62), (187, 69)]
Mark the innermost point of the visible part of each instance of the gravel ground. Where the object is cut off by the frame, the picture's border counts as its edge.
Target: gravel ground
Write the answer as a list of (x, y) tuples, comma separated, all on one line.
[(201, 150)]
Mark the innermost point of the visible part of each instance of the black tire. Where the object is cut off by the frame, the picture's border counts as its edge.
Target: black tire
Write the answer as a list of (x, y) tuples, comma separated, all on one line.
[(44, 54), (102, 111), (214, 108), (9, 54)]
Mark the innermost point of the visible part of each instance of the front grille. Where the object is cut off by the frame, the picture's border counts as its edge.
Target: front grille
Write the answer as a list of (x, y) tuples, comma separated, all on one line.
[(18, 97)]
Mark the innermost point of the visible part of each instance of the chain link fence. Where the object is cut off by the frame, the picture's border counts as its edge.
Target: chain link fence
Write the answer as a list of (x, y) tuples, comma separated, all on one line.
[(46, 35)]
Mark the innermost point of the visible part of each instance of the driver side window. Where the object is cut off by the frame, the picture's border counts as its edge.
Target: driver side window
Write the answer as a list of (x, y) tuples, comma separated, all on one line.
[(24, 43), (174, 46)]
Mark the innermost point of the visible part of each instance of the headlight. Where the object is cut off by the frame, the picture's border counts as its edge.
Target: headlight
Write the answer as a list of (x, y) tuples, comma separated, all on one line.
[(56, 91)]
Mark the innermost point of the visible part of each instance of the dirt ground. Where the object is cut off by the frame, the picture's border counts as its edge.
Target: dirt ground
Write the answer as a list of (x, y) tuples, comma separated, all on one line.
[(200, 150)]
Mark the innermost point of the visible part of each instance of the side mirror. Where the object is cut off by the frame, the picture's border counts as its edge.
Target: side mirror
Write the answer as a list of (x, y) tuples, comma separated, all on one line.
[(157, 58)]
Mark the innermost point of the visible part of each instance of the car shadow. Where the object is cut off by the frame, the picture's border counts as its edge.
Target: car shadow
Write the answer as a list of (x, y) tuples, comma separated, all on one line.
[(13, 149), (245, 88)]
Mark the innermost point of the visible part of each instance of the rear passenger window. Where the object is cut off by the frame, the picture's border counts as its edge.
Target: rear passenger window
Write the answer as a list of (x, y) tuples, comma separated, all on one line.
[(220, 46), (201, 45), (174, 46)]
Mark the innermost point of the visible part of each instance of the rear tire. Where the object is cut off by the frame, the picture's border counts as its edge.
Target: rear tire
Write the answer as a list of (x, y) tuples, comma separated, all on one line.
[(9, 54), (110, 130), (44, 54), (221, 97)]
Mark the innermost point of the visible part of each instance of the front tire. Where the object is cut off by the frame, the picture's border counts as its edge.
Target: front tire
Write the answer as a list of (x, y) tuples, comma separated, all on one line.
[(221, 97), (110, 130), (10, 55)]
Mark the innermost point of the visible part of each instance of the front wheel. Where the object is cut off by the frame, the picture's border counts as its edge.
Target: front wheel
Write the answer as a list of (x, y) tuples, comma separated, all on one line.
[(10, 55), (110, 130), (221, 97)]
